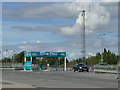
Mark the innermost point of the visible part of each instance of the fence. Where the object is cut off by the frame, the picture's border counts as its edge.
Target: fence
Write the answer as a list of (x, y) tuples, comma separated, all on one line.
[(111, 68), (34, 66), (12, 65), (51, 67)]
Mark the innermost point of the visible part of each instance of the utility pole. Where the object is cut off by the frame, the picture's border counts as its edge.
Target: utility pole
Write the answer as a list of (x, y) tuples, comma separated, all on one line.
[(83, 35), (83, 44)]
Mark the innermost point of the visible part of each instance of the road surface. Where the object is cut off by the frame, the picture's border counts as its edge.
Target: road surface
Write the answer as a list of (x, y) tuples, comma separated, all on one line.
[(57, 79)]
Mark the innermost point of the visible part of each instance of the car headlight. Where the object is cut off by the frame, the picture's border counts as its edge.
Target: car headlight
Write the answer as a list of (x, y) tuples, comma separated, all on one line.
[(80, 67)]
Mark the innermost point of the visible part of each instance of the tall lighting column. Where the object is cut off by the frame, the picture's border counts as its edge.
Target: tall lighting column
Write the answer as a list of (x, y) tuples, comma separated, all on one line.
[(101, 35)]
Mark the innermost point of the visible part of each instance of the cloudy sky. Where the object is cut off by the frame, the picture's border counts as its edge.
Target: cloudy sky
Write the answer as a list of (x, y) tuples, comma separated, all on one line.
[(50, 26)]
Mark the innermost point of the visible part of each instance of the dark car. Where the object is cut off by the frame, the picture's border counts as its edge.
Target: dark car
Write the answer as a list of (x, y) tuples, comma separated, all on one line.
[(80, 68)]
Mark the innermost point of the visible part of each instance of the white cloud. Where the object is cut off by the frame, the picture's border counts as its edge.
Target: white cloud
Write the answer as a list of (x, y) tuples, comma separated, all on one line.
[(113, 43), (23, 47), (71, 31), (84, 0), (72, 47), (90, 53), (109, 0), (8, 53), (98, 17), (42, 11), (44, 28), (72, 55), (107, 44), (61, 1), (48, 1), (59, 50), (38, 41), (96, 20), (24, 42)]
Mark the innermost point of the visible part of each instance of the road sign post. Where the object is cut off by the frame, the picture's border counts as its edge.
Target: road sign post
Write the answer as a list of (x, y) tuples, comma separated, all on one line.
[(65, 63), (47, 54), (56, 63)]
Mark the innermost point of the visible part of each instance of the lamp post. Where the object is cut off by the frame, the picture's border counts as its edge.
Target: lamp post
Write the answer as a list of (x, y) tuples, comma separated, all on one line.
[(6, 57), (14, 59), (101, 35)]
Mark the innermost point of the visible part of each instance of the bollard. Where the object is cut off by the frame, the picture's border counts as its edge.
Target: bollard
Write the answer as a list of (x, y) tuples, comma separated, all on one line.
[(68, 69), (90, 69), (40, 69)]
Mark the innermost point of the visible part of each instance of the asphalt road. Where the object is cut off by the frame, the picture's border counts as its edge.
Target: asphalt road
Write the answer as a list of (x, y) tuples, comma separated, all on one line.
[(57, 79)]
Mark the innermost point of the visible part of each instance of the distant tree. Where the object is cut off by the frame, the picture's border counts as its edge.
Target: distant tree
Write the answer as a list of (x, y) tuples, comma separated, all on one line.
[(108, 57), (19, 57), (52, 61), (92, 60), (6, 60)]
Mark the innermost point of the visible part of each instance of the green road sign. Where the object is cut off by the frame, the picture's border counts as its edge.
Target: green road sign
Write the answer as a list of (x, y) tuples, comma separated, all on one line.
[(45, 54)]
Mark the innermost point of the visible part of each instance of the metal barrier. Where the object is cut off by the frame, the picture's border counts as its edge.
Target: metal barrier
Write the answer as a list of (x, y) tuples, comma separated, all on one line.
[(106, 71)]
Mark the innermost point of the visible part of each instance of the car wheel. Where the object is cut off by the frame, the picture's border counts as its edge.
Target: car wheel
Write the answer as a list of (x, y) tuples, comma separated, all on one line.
[(79, 70), (73, 70)]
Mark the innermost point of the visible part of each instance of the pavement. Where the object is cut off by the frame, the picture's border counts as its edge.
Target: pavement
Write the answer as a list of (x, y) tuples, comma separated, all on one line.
[(57, 79)]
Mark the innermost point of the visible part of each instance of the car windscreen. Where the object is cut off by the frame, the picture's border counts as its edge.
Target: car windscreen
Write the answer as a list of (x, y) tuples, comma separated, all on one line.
[(103, 64), (81, 65)]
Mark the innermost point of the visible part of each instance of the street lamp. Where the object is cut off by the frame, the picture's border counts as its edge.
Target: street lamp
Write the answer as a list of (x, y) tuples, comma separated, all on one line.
[(13, 62), (6, 57), (101, 35)]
